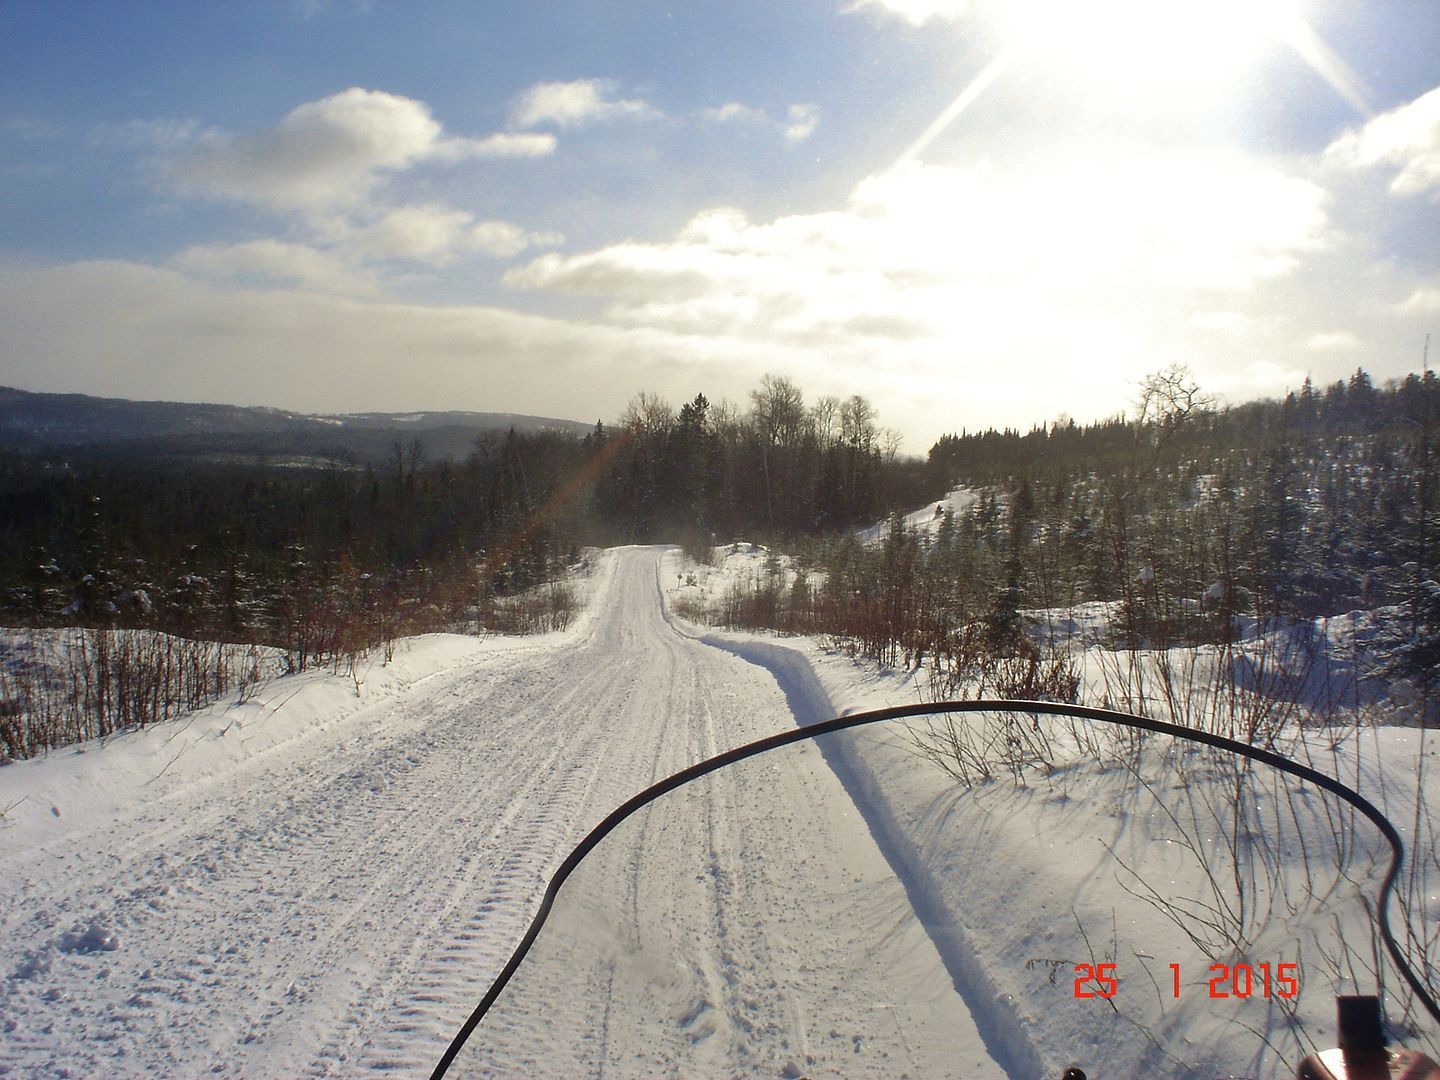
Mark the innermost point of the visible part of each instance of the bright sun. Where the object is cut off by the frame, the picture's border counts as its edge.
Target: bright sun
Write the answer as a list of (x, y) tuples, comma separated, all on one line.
[(1149, 47), (1170, 55)]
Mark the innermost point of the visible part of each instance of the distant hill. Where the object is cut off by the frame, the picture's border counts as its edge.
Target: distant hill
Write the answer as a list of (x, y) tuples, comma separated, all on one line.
[(31, 421)]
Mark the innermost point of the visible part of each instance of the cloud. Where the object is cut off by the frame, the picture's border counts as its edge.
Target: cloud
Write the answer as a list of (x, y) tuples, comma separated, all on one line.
[(799, 123), (319, 166), (952, 295), (269, 262), (1223, 322), (1078, 278), (435, 234), (1422, 301), (916, 12), (503, 144), (725, 301), (574, 104), (736, 112), (505, 238), (331, 152), (1327, 340), (912, 242), (153, 332), (1406, 139), (306, 10), (349, 260), (166, 133)]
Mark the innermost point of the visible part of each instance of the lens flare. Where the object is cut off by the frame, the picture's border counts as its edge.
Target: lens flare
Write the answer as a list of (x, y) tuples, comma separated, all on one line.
[(1149, 53)]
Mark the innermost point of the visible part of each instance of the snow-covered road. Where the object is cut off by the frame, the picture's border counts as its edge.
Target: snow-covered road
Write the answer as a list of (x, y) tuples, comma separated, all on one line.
[(330, 897)]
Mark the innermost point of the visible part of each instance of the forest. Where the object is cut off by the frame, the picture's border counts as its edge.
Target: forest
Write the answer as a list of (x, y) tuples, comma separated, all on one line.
[(299, 556), (1188, 517), (1193, 523)]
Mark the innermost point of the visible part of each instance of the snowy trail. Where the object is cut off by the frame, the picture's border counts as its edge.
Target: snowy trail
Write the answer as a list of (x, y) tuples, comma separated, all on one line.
[(333, 904)]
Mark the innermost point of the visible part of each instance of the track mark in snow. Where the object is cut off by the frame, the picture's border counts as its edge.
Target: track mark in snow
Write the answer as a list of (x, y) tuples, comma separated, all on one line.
[(336, 904)]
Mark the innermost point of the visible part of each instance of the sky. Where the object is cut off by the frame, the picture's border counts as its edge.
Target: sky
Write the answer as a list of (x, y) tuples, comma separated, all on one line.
[(982, 213)]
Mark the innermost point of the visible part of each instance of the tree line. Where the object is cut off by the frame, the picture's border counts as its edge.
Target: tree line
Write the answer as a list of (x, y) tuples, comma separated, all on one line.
[(319, 559), (1189, 519)]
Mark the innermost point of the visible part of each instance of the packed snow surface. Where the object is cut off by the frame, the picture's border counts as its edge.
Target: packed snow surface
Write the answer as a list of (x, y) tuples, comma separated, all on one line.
[(323, 880)]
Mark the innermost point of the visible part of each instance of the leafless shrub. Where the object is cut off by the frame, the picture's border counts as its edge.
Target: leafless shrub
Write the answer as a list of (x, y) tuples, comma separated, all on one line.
[(693, 607), (973, 747), (549, 607), (1252, 692), (61, 687)]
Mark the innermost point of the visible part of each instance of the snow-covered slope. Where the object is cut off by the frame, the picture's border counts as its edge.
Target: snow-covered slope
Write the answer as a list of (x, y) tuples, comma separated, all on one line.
[(926, 520)]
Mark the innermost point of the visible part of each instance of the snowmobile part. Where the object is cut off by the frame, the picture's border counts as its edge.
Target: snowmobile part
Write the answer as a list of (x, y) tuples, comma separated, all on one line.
[(1033, 708), (1363, 1053)]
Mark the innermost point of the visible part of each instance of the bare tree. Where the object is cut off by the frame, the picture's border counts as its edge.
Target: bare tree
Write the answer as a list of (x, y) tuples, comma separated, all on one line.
[(778, 410), (1171, 398), (648, 414), (890, 441), (857, 423), (825, 414), (778, 413), (407, 460)]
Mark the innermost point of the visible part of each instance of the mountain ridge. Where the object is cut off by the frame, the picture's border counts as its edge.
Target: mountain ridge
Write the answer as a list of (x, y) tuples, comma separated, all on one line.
[(31, 420)]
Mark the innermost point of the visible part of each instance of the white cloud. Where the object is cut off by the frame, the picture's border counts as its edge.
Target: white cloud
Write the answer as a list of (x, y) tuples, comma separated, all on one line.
[(1256, 379), (736, 112), (574, 104), (331, 152), (801, 121), (152, 332), (349, 262), (1422, 301), (1406, 139), (916, 12), (426, 233), (269, 262), (434, 234), (1328, 340), (725, 302), (1181, 220), (322, 161), (1079, 280), (913, 239), (1223, 322), (503, 144), (950, 295)]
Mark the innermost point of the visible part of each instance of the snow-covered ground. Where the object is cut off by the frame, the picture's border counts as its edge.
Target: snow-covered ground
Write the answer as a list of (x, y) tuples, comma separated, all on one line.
[(1017, 879), (925, 521), (322, 881)]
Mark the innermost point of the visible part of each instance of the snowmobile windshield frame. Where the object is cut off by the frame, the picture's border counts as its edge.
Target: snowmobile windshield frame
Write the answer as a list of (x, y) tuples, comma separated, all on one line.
[(876, 716)]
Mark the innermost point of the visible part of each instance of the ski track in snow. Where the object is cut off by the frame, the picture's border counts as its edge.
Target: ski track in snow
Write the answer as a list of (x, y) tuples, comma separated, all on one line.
[(335, 904)]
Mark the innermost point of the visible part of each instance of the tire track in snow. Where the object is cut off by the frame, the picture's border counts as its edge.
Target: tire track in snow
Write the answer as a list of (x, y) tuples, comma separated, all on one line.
[(336, 904), (314, 854)]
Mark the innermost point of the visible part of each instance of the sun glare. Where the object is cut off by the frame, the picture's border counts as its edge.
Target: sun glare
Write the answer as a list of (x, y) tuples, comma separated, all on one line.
[(1175, 55), (1145, 48)]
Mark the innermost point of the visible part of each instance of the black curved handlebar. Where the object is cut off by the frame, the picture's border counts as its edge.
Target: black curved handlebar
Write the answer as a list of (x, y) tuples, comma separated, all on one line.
[(840, 723)]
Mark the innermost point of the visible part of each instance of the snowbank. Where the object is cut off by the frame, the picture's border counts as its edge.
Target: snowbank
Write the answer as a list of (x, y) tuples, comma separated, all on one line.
[(1003, 902), (51, 797)]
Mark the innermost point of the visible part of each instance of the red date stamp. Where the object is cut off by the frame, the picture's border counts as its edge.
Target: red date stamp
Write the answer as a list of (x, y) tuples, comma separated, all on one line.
[(1225, 980)]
